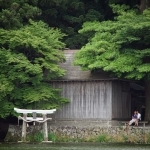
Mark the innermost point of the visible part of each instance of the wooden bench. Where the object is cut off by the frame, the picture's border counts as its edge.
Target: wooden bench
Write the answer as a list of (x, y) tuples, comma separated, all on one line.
[(140, 122)]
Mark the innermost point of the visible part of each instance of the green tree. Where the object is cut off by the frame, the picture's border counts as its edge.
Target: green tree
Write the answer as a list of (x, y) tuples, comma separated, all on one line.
[(69, 15), (29, 58), (16, 13), (121, 46)]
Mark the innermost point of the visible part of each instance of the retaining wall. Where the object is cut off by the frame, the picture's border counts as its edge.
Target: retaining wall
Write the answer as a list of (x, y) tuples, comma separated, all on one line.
[(120, 133)]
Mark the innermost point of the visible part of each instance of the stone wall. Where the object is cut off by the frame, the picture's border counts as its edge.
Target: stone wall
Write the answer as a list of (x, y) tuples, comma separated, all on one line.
[(120, 133)]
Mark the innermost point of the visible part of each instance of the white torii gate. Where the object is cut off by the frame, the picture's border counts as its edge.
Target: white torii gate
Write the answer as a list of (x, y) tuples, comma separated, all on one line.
[(26, 119)]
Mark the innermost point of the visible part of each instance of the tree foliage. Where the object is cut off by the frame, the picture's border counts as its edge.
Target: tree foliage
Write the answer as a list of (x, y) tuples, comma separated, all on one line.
[(29, 59), (16, 13), (120, 46), (69, 15)]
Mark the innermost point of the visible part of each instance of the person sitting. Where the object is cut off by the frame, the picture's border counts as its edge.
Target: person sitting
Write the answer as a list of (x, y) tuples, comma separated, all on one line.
[(134, 119), (138, 118)]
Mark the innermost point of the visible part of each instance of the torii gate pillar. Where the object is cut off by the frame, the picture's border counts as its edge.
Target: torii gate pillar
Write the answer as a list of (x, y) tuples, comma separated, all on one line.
[(24, 127), (45, 128)]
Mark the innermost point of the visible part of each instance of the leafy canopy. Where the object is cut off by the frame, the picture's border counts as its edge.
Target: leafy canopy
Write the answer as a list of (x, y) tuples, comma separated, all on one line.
[(69, 15), (120, 46), (16, 13), (29, 58)]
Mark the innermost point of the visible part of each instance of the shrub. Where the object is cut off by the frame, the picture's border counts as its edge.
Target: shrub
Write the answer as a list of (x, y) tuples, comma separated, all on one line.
[(52, 137), (101, 138)]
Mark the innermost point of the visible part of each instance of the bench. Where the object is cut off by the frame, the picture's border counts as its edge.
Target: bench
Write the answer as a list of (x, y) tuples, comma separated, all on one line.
[(140, 122)]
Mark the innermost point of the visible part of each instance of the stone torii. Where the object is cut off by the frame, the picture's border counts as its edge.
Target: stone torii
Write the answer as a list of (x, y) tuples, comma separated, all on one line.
[(26, 119)]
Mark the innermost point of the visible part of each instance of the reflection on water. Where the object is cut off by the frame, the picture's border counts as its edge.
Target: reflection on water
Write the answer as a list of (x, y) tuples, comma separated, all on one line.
[(74, 146)]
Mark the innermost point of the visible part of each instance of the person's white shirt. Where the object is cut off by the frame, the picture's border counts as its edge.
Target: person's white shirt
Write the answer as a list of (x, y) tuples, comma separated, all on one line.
[(139, 116)]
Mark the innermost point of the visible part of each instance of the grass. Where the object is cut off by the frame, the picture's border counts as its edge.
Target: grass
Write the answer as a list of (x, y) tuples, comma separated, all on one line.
[(39, 137), (35, 137), (102, 138), (52, 137)]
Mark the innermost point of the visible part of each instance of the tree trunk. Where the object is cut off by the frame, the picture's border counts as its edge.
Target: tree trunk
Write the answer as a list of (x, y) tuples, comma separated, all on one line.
[(147, 4), (144, 4), (147, 102)]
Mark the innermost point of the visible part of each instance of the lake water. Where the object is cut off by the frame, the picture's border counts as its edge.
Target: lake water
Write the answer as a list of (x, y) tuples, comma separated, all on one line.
[(73, 146)]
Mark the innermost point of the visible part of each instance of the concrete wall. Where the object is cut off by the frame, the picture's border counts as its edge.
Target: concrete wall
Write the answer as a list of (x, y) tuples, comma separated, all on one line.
[(88, 100)]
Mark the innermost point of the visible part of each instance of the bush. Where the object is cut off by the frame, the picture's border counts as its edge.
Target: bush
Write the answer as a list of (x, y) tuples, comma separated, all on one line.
[(52, 137), (101, 138)]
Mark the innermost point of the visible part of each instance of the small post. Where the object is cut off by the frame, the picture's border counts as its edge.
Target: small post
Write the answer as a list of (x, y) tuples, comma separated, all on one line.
[(34, 115), (45, 127), (24, 126)]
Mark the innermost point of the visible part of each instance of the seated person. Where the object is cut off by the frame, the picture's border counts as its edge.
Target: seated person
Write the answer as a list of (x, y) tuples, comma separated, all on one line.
[(138, 118), (134, 119)]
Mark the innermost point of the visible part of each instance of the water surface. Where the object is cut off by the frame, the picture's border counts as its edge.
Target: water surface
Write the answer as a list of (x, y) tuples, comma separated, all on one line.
[(73, 146)]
